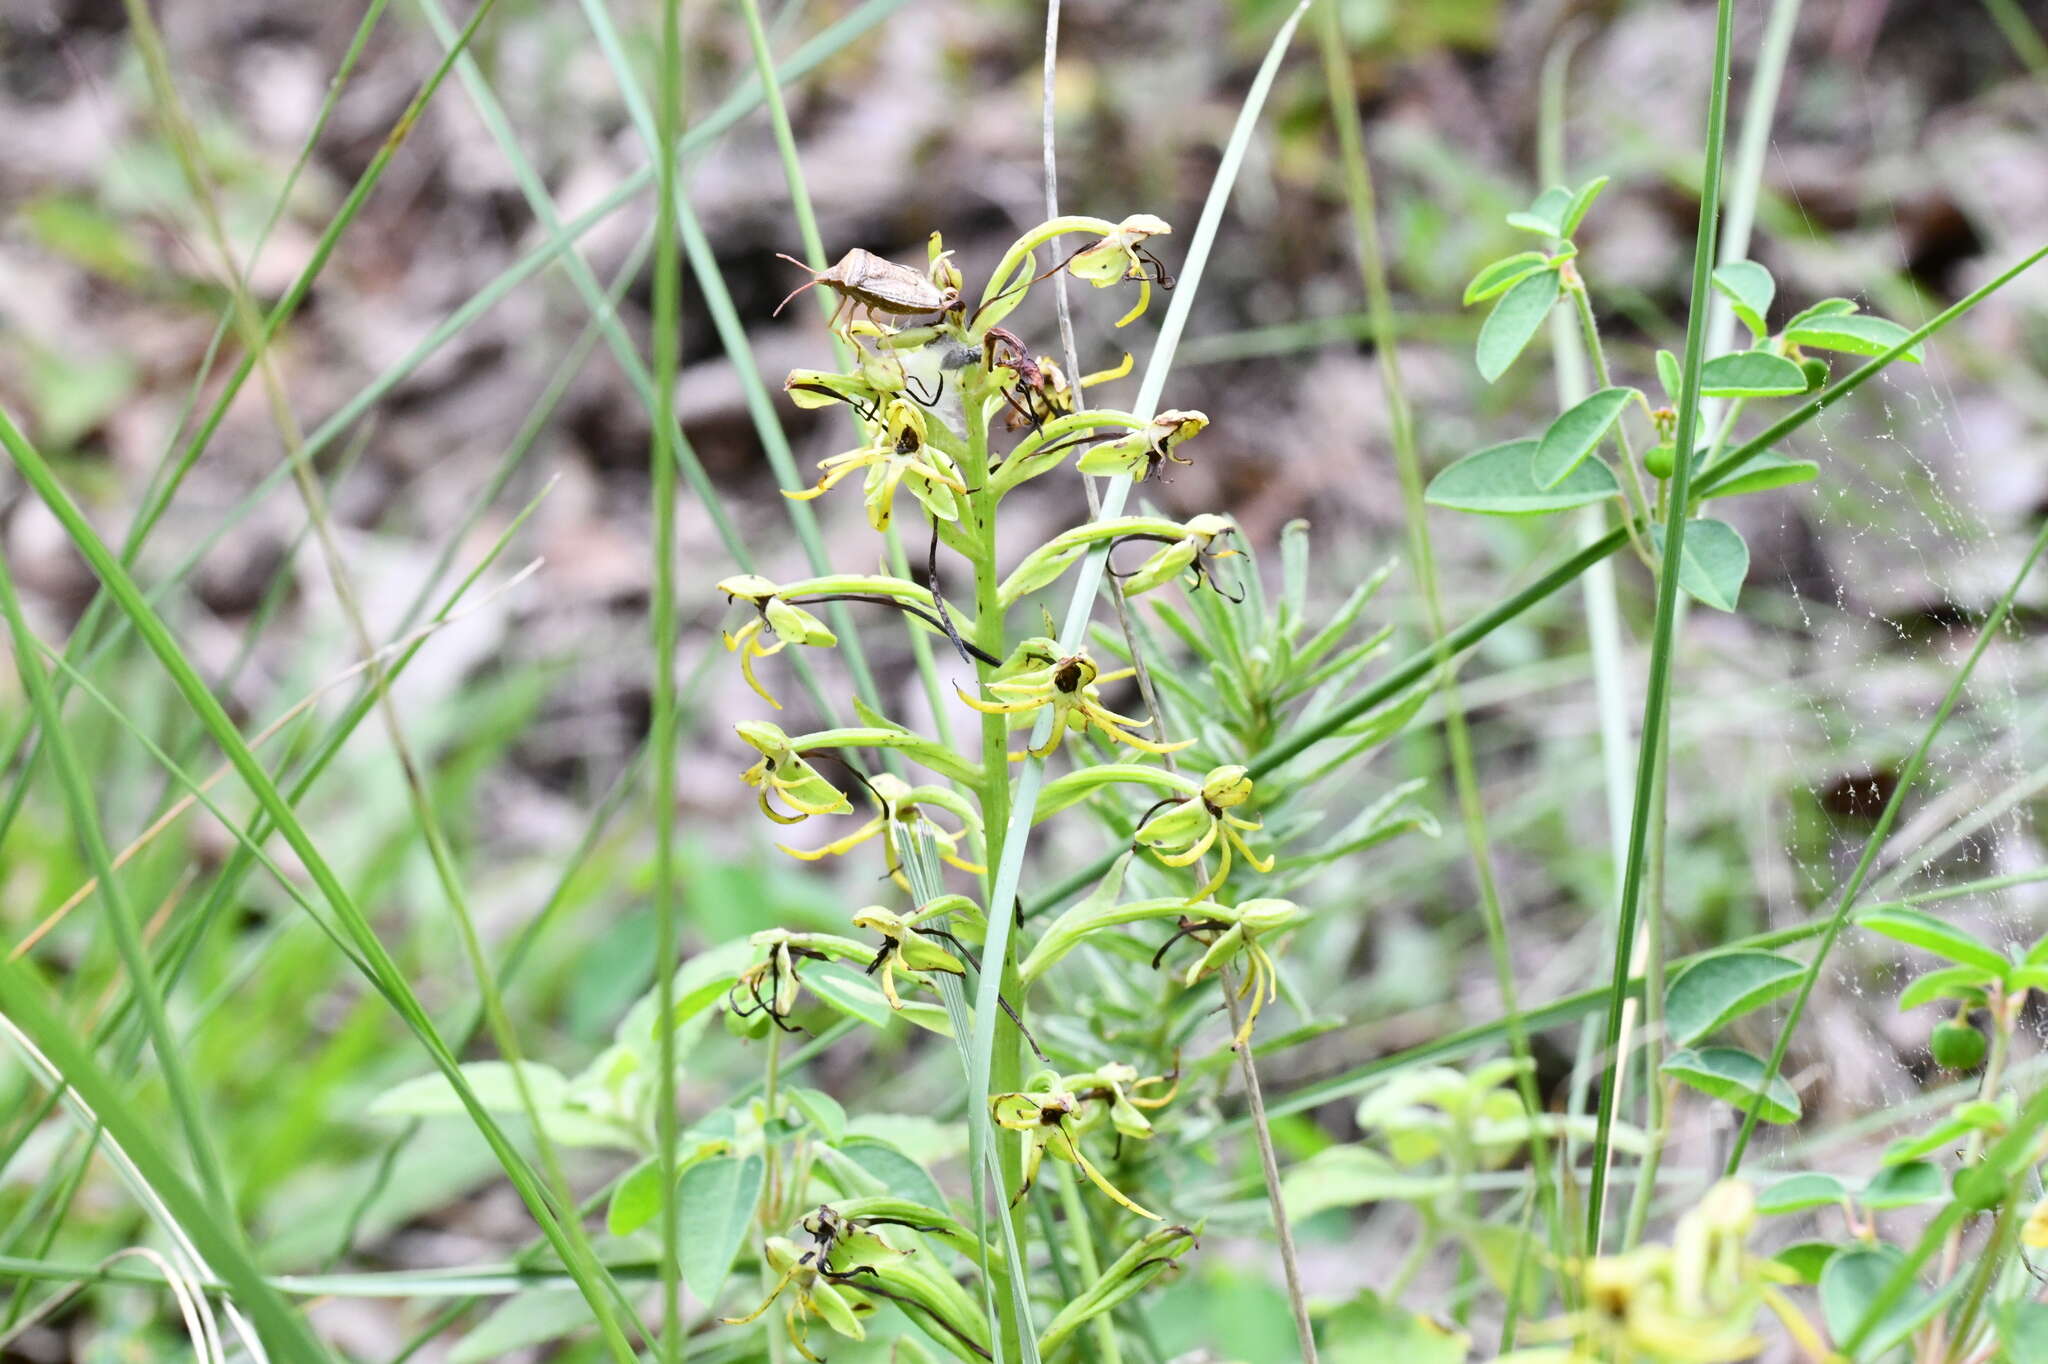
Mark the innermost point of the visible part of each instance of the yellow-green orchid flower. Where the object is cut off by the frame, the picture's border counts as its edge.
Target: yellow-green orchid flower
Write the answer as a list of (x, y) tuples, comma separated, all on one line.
[(899, 455), (788, 624), (1188, 829), (1068, 686), (1239, 932), (903, 948), (1049, 1115), (899, 803), (1120, 254), (1139, 454), (783, 772)]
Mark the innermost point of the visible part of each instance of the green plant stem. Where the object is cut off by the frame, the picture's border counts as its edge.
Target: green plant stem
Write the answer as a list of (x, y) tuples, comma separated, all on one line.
[(1604, 634), (120, 915), (1006, 1071), (1632, 485), (1871, 847), (2027, 43), (1657, 701), (670, 1343), (1343, 97), (1952, 1248), (1082, 1243), (1656, 1087)]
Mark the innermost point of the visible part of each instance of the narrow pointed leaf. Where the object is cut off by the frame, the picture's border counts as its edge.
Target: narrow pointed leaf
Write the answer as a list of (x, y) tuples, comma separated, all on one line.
[(1827, 307), (1948, 982), (1668, 375)]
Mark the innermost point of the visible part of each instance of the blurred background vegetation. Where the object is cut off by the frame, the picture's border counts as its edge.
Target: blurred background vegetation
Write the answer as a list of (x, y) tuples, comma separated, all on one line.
[(1909, 163)]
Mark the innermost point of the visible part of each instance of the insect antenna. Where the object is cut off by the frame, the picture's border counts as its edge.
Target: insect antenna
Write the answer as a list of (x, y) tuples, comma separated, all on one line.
[(813, 282)]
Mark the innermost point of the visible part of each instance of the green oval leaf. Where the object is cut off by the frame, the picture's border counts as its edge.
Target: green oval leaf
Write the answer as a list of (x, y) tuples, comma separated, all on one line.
[(1901, 1186), (1751, 374), (1514, 320), (1717, 989), (822, 1110), (2023, 1331), (1669, 375), (1947, 982), (715, 1203), (1713, 562), (1797, 1193), (1500, 481), (1807, 1259), (1749, 290), (897, 1172), (1576, 433), (1850, 1285), (523, 1319), (1855, 333), (1733, 1076), (1546, 216), (1827, 307), (1930, 934), (1498, 277), (1764, 471)]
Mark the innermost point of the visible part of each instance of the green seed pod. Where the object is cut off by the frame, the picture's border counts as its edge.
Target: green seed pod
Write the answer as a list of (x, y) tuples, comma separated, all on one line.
[(1957, 1046), (1660, 459), (1816, 371)]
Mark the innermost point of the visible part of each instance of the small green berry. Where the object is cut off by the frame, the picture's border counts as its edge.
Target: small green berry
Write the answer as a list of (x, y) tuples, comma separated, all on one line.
[(1660, 459), (1816, 371), (1957, 1046)]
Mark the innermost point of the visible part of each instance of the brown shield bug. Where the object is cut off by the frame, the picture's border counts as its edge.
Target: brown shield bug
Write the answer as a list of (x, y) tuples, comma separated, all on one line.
[(864, 279)]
